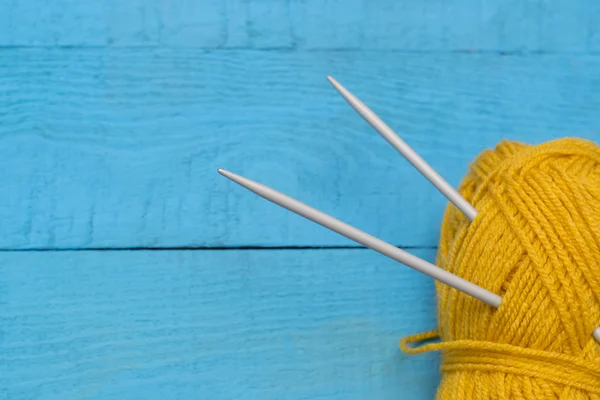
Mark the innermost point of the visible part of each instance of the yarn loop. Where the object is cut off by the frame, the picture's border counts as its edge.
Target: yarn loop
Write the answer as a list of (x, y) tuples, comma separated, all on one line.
[(535, 242)]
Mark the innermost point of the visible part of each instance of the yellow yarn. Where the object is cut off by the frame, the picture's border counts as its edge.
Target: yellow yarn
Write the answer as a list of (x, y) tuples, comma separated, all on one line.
[(535, 242)]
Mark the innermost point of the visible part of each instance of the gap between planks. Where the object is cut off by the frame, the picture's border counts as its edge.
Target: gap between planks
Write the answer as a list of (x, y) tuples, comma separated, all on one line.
[(199, 248), (292, 49)]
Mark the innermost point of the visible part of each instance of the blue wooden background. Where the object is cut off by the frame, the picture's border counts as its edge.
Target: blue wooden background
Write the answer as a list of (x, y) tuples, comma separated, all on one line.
[(131, 270)]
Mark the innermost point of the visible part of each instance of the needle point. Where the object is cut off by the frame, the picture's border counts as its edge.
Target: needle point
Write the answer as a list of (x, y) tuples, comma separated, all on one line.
[(225, 173), (336, 84)]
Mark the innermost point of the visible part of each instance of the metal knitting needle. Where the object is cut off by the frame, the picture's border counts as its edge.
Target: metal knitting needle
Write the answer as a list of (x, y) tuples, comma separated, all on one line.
[(365, 239), (408, 153), (371, 242)]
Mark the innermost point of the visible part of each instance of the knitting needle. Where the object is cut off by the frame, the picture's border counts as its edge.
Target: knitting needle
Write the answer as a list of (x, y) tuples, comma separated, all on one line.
[(365, 239), (408, 153), (371, 242)]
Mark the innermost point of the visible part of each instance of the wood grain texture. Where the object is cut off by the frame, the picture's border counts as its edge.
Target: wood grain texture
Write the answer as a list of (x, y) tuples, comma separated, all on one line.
[(318, 324), (115, 115), (119, 148), (460, 25)]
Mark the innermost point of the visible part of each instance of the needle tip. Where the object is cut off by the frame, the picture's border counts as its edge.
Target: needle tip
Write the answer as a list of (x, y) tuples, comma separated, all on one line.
[(223, 172), (342, 90), (332, 80)]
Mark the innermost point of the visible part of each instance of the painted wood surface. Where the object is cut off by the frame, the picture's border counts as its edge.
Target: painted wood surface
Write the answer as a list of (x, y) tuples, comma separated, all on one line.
[(461, 25), (115, 115), (286, 324), (119, 148)]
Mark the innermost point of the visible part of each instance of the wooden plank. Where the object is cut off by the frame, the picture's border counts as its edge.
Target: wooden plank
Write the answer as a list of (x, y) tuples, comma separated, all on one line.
[(120, 148), (298, 324), (463, 25)]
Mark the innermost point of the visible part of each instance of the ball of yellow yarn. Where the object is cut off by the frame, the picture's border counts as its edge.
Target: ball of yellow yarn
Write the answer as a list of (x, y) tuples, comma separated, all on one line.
[(536, 243)]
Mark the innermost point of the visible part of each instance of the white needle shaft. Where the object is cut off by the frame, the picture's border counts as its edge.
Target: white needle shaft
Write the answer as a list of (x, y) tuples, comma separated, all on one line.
[(365, 239), (388, 134)]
